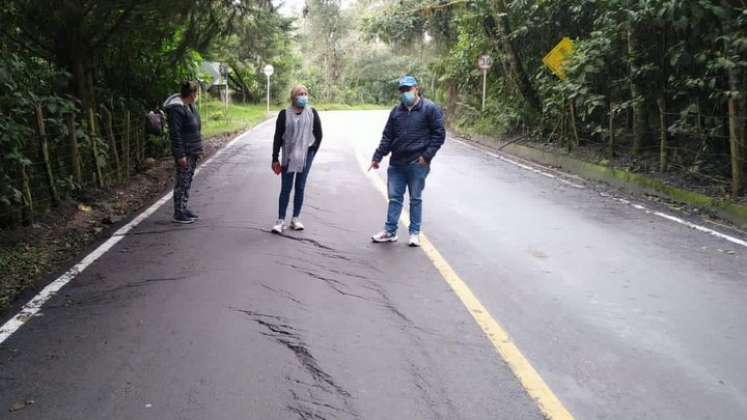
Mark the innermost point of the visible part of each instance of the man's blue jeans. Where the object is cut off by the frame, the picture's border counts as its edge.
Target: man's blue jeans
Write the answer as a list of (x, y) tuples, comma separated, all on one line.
[(412, 177), (288, 179)]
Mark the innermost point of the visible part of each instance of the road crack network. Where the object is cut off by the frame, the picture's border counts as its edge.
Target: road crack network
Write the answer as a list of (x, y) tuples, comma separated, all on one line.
[(314, 407)]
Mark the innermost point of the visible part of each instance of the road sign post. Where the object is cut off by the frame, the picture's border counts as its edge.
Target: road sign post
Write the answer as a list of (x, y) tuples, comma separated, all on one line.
[(268, 70), (484, 62), (224, 82)]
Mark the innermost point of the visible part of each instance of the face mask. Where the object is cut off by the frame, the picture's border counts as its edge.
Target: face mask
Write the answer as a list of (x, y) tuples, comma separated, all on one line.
[(302, 101), (407, 99)]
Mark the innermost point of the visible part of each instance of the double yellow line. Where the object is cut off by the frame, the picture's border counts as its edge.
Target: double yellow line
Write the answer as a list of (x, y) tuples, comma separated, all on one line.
[(548, 402)]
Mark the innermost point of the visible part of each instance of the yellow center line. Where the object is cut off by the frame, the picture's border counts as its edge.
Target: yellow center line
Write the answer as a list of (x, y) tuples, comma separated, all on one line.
[(535, 386)]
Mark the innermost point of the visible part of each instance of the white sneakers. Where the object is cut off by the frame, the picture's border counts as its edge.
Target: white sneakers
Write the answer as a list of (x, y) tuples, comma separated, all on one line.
[(381, 237), (296, 224), (280, 225), (384, 236)]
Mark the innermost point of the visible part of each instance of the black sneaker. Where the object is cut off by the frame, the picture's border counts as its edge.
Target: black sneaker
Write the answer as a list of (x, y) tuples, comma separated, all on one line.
[(191, 214), (182, 219)]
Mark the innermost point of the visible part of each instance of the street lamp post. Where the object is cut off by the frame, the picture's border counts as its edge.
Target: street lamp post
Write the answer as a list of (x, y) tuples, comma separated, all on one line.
[(268, 70), (224, 75)]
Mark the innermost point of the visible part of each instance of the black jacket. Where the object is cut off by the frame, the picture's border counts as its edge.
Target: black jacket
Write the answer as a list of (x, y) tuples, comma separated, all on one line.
[(410, 134), (184, 127), (280, 130)]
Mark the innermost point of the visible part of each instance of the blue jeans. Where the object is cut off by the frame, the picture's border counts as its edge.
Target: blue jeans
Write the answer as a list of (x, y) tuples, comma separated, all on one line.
[(288, 179), (400, 176)]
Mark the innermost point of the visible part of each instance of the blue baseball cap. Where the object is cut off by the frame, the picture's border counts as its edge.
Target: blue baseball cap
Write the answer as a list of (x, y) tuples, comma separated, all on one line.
[(408, 81)]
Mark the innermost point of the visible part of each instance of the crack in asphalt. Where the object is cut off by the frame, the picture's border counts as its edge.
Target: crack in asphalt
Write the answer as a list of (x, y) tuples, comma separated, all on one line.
[(257, 314), (155, 280), (334, 284), (317, 208), (110, 295), (306, 240), (195, 226), (282, 332), (283, 293), (338, 286), (305, 412), (421, 383)]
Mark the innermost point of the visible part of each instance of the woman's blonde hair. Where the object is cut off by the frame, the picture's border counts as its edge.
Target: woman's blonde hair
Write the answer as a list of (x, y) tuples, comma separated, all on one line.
[(296, 89)]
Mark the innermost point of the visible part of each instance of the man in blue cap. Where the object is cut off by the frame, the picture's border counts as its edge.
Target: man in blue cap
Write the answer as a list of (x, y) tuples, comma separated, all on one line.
[(413, 134)]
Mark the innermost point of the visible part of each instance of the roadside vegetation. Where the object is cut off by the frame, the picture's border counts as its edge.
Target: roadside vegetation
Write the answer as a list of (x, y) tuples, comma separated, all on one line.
[(652, 87)]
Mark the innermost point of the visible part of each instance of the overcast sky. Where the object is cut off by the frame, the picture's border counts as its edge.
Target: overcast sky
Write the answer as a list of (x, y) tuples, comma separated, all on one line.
[(290, 7), (294, 7)]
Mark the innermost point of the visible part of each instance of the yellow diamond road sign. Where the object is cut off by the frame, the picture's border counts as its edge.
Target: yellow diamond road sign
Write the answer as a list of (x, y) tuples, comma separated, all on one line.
[(556, 58)]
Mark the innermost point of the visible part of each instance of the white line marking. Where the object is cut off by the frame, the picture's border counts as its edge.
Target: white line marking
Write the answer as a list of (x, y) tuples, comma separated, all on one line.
[(684, 222), (519, 164), (671, 218), (32, 307)]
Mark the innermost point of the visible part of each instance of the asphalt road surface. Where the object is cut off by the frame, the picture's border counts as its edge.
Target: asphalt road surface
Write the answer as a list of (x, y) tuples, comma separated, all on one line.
[(622, 313)]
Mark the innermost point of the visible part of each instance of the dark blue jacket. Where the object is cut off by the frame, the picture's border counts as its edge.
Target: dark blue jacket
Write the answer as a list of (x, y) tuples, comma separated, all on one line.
[(410, 134)]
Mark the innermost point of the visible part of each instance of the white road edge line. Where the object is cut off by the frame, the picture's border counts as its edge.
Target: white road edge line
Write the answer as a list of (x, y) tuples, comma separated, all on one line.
[(33, 306), (671, 218), (681, 221), (519, 164)]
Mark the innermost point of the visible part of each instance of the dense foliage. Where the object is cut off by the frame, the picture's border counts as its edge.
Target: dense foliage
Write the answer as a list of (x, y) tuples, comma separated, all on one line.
[(653, 85), (659, 81)]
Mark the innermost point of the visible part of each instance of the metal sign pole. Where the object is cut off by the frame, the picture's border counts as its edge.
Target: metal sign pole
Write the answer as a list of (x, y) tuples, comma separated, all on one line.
[(224, 81), (484, 62), (484, 86), (268, 93)]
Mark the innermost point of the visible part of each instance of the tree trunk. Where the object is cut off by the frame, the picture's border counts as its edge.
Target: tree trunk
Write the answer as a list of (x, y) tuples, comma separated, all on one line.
[(736, 133), (576, 138), (663, 127), (451, 101), (98, 174), (41, 132), (108, 124), (510, 56), (74, 149), (640, 120), (82, 81), (611, 129), (126, 146), (28, 201)]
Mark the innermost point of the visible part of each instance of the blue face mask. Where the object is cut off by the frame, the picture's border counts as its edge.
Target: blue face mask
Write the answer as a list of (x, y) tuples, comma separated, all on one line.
[(407, 99), (302, 101)]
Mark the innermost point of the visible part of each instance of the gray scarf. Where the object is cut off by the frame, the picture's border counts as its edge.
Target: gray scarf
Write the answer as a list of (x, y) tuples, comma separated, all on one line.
[(298, 137)]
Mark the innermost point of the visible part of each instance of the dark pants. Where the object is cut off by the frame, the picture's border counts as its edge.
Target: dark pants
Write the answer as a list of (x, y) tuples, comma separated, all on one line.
[(288, 179), (184, 184)]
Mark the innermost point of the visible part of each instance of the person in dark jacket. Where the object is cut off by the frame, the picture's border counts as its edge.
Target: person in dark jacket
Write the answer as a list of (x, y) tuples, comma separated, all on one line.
[(413, 134), (298, 133), (186, 146)]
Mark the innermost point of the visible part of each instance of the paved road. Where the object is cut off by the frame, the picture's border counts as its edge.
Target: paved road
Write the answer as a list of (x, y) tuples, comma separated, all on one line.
[(622, 313)]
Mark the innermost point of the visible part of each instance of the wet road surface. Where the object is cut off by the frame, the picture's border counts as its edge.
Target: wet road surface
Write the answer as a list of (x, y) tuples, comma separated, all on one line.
[(623, 314)]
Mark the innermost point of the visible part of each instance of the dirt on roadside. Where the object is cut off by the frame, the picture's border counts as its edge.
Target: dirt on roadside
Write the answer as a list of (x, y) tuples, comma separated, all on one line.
[(30, 254)]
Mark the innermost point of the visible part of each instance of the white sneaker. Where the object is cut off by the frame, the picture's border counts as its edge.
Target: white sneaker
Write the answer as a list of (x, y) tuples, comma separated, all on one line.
[(296, 224), (384, 236), (414, 240), (278, 228)]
